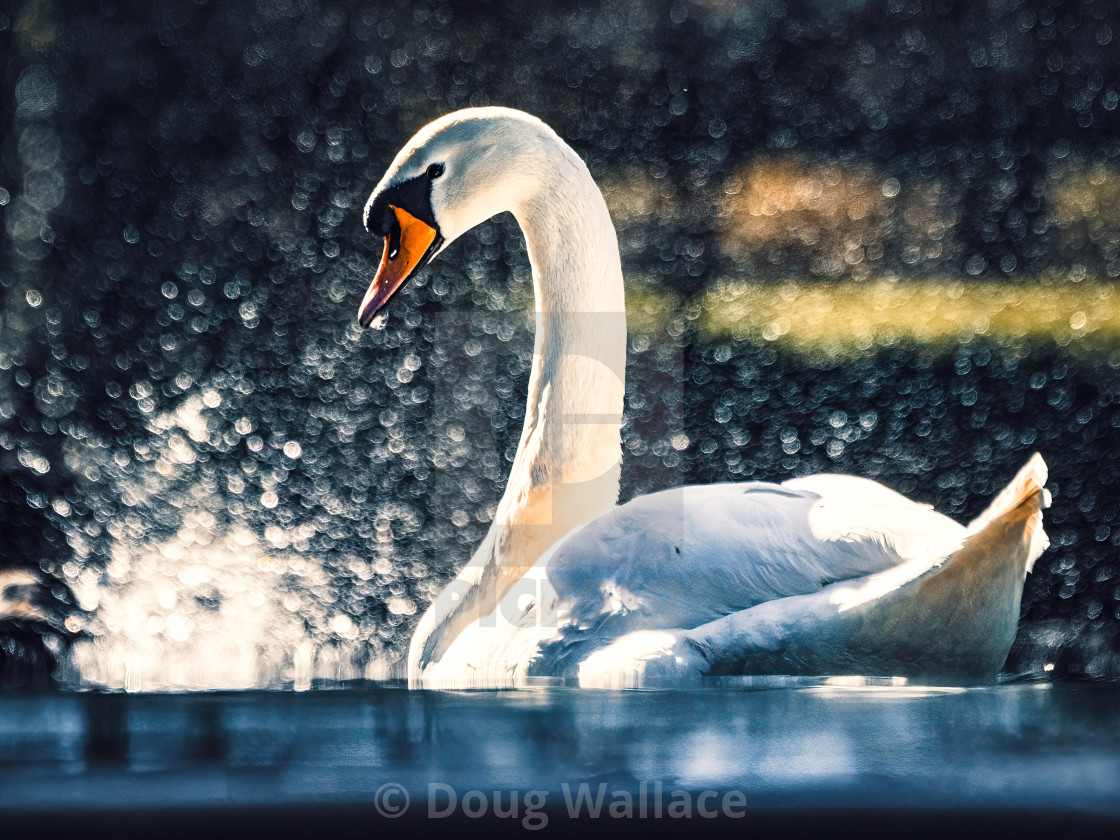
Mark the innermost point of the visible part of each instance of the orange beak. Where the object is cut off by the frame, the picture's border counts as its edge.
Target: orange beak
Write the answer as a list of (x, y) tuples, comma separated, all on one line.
[(415, 245)]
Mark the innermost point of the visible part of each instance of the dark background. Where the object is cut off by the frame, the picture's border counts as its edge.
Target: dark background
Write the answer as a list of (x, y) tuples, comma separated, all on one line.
[(181, 258)]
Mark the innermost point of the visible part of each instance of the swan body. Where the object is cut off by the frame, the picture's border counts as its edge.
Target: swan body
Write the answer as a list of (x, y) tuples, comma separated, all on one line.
[(826, 574)]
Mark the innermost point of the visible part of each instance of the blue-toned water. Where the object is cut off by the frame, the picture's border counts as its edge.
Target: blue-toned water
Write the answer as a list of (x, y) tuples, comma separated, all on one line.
[(1021, 754)]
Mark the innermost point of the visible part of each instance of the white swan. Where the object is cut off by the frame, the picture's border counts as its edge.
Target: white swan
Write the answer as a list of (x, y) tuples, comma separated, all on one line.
[(821, 575)]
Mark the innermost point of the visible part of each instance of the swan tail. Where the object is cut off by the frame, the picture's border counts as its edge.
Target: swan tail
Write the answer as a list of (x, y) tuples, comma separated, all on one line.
[(1026, 495)]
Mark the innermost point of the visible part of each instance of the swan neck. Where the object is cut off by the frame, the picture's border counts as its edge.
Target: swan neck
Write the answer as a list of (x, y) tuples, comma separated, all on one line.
[(566, 469)]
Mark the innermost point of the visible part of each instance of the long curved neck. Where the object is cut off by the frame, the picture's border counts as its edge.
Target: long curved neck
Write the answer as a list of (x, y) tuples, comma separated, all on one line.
[(566, 470), (570, 450)]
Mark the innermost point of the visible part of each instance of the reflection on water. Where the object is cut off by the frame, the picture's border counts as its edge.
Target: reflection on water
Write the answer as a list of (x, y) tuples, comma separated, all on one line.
[(869, 745), (839, 686)]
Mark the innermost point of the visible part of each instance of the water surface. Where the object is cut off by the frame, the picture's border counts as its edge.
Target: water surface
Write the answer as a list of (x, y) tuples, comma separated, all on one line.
[(814, 743)]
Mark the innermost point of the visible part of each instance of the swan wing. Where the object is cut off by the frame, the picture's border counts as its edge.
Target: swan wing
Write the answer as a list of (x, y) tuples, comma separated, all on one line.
[(940, 618), (688, 556), (682, 557)]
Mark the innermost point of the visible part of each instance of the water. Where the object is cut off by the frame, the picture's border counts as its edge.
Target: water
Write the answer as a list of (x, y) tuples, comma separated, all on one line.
[(1025, 755)]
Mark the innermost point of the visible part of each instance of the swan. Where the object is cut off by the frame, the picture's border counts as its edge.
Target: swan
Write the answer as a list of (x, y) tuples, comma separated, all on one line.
[(826, 574)]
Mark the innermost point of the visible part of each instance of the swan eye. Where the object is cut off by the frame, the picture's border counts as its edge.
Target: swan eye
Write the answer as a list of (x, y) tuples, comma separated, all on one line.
[(435, 170)]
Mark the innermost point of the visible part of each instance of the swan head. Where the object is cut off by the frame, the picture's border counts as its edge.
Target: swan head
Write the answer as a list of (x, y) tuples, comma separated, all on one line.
[(455, 173)]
